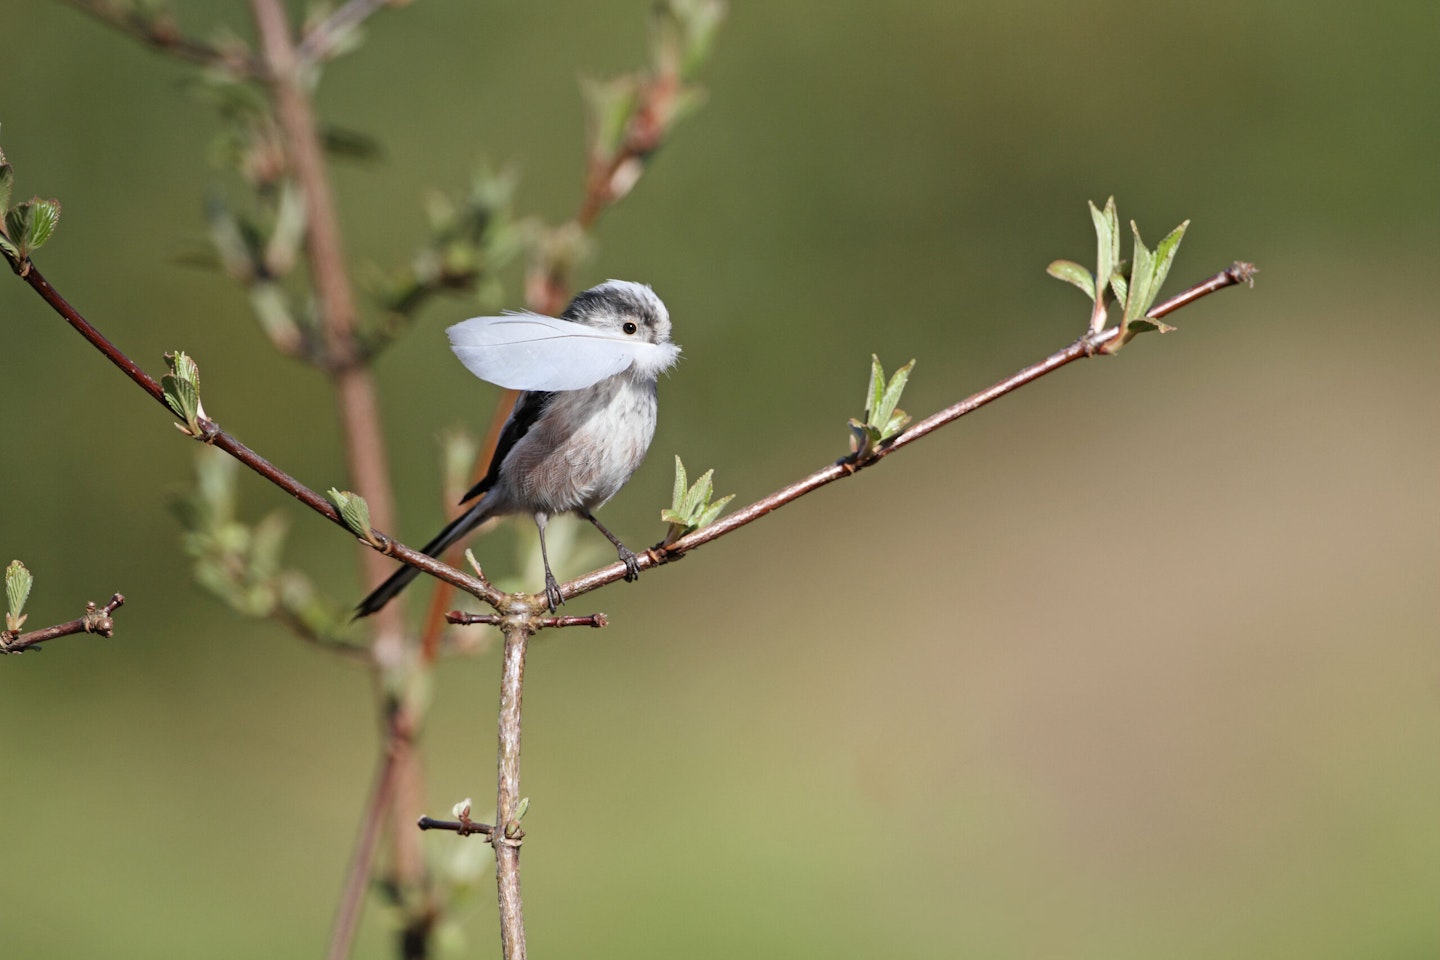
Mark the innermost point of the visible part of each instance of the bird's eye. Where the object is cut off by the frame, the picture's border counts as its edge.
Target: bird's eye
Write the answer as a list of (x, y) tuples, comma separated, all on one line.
[(629, 327)]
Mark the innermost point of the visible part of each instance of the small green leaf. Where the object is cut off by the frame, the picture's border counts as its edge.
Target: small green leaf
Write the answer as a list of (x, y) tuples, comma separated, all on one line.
[(1107, 243), (710, 513), (28, 225), (884, 413), (288, 233), (7, 181), (182, 390), (270, 303), (898, 421), (1164, 257), (44, 217), (682, 33), (267, 541), (702, 19), (681, 484), (700, 494), (185, 367), (1119, 285), (354, 511), (17, 224), (609, 104), (1147, 274), (875, 390), (18, 582), (521, 808), (236, 255), (1145, 325), (182, 397), (882, 418), (1072, 273), (691, 508), (1141, 276)]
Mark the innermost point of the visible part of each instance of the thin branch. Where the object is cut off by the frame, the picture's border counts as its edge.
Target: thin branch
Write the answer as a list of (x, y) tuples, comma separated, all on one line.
[(97, 620), (1237, 272), (162, 33), (361, 428), (608, 178), (507, 836), (355, 392), (357, 879), (595, 620), (217, 437), (1087, 346), (463, 827), (306, 632)]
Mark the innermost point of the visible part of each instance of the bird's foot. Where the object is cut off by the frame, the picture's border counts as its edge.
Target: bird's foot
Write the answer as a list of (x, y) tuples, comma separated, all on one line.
[(552, 591), (632, 565)]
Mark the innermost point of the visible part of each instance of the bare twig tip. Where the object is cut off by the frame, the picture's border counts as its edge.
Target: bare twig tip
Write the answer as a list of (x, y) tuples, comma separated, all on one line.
[(463, 618), (464, 827)]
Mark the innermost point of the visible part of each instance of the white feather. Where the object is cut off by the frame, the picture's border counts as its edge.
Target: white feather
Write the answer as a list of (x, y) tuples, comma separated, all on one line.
[(528, 351)]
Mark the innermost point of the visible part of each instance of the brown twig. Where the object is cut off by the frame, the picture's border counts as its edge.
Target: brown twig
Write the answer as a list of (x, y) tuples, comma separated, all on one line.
[(163, 34), (357, 878), (1087, 346), (97, 620), (355, 393), (463, 827), (217, 437), (359, 414), (491, 619), (1237, 272), (506, 836), (608, 178)]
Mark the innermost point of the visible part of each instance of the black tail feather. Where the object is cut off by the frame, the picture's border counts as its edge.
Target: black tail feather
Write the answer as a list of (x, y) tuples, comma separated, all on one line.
[(400, 579)]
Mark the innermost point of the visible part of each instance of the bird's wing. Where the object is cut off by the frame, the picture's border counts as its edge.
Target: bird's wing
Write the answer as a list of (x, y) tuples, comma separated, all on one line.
[(528, 408)]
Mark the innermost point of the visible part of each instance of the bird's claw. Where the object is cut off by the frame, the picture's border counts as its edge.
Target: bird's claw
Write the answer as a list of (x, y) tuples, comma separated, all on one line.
[(552, 591), (632, 565)]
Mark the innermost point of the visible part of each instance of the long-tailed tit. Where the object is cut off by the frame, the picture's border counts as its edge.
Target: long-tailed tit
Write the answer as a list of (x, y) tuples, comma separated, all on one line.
[(580, 428)]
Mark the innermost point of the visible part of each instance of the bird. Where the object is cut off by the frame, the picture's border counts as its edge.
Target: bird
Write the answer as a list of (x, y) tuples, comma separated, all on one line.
[(582, 424)]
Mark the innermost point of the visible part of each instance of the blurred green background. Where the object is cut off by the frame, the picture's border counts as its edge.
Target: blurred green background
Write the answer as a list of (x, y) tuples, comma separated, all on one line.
[(1139, 662)]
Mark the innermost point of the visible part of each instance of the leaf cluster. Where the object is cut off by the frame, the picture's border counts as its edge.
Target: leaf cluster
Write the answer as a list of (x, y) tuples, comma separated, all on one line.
[(182, 392), (1136, 291), (18, 582), (883, 417), (26, 226), (691, 506), (242, 563)]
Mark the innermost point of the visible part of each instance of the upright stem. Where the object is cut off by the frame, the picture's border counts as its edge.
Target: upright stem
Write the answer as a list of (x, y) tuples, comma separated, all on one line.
[(507, 835), (354, 389), (359, 416), (347, 917)]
